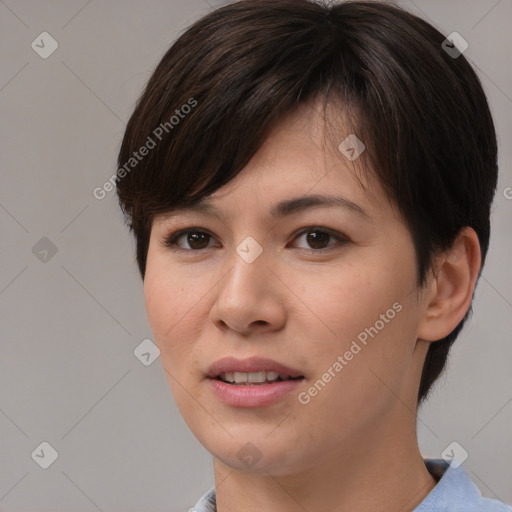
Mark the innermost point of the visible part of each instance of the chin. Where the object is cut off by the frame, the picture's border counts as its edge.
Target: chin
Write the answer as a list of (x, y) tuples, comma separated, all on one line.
[(255, 454)]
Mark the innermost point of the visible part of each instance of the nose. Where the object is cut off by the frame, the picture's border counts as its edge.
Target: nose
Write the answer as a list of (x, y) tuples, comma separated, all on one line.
[(249, 298)]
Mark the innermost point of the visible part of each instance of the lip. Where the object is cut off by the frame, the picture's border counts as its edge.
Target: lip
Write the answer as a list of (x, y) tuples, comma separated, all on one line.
[(251, 364), (247, 395), (257, 395)]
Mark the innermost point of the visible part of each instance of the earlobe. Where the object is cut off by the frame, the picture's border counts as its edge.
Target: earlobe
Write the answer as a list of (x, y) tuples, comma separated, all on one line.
[(452, 287)]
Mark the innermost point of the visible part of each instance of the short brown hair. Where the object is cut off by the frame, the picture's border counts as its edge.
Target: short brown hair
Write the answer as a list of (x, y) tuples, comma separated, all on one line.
[(421, 113)]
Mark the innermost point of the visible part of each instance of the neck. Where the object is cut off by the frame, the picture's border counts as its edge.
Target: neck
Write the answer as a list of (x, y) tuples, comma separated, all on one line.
[(378, 469)]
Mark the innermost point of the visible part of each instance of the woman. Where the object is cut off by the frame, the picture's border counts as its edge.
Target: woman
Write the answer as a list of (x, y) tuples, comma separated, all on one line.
[(309, 187)]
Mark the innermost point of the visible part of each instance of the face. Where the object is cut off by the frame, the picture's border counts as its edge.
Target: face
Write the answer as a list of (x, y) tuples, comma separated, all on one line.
[(326, 290)]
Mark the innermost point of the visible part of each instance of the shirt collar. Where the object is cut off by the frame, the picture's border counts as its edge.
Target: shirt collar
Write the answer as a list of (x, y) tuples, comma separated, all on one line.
[(453, 488)]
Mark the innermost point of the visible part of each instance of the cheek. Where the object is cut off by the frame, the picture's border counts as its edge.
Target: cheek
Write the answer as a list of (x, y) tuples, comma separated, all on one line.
[(171, 304), (348, 299), (170, 313), (365, 314), (157, 297)]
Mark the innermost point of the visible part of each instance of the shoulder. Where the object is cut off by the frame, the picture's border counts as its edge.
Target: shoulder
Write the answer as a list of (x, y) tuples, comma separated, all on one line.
[(456, 492), (206, 503)]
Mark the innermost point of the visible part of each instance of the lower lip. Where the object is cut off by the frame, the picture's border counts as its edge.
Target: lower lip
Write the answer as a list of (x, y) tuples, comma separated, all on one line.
[(257, 395)]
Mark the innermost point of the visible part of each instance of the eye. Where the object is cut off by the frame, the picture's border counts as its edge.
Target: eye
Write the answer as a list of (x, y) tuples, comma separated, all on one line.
[(196, 238), (317, 238)]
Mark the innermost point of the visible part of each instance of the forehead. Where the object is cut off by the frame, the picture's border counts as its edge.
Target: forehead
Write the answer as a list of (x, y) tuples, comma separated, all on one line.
[(299, 165), (312, 149)]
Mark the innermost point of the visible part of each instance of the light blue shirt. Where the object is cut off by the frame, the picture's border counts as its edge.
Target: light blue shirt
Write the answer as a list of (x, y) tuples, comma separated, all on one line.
[(454, 492)]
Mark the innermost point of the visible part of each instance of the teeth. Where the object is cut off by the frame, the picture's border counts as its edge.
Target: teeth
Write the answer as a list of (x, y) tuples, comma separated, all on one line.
[(241, 377), (251, 377), (255, 376)]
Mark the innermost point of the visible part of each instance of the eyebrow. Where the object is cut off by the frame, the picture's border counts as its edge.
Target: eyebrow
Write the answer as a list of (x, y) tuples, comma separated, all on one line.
[(286, 207)]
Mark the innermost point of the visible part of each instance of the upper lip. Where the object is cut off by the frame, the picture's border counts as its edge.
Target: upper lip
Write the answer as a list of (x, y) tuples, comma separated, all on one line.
[(251, 364)]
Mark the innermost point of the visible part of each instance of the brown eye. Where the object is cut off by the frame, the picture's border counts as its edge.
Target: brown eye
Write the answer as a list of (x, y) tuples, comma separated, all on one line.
[(195, 239), (317, 239)]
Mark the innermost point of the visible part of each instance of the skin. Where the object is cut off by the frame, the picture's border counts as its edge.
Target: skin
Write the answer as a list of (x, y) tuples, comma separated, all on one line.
[(354, 445)]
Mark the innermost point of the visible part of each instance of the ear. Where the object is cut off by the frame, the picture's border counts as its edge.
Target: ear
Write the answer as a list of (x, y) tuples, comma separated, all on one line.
[(451, 287)]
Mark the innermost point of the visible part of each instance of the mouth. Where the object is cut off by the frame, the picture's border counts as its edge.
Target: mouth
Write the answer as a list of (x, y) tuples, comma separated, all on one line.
[(254, 378), (253, 382), (253, 371)]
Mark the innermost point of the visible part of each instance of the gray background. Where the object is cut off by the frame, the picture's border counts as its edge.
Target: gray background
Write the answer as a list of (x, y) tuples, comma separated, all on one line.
[(69, 325)]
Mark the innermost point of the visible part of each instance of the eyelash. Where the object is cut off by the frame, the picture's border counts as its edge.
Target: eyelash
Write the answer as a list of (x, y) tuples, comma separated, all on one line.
[(172, 239)]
